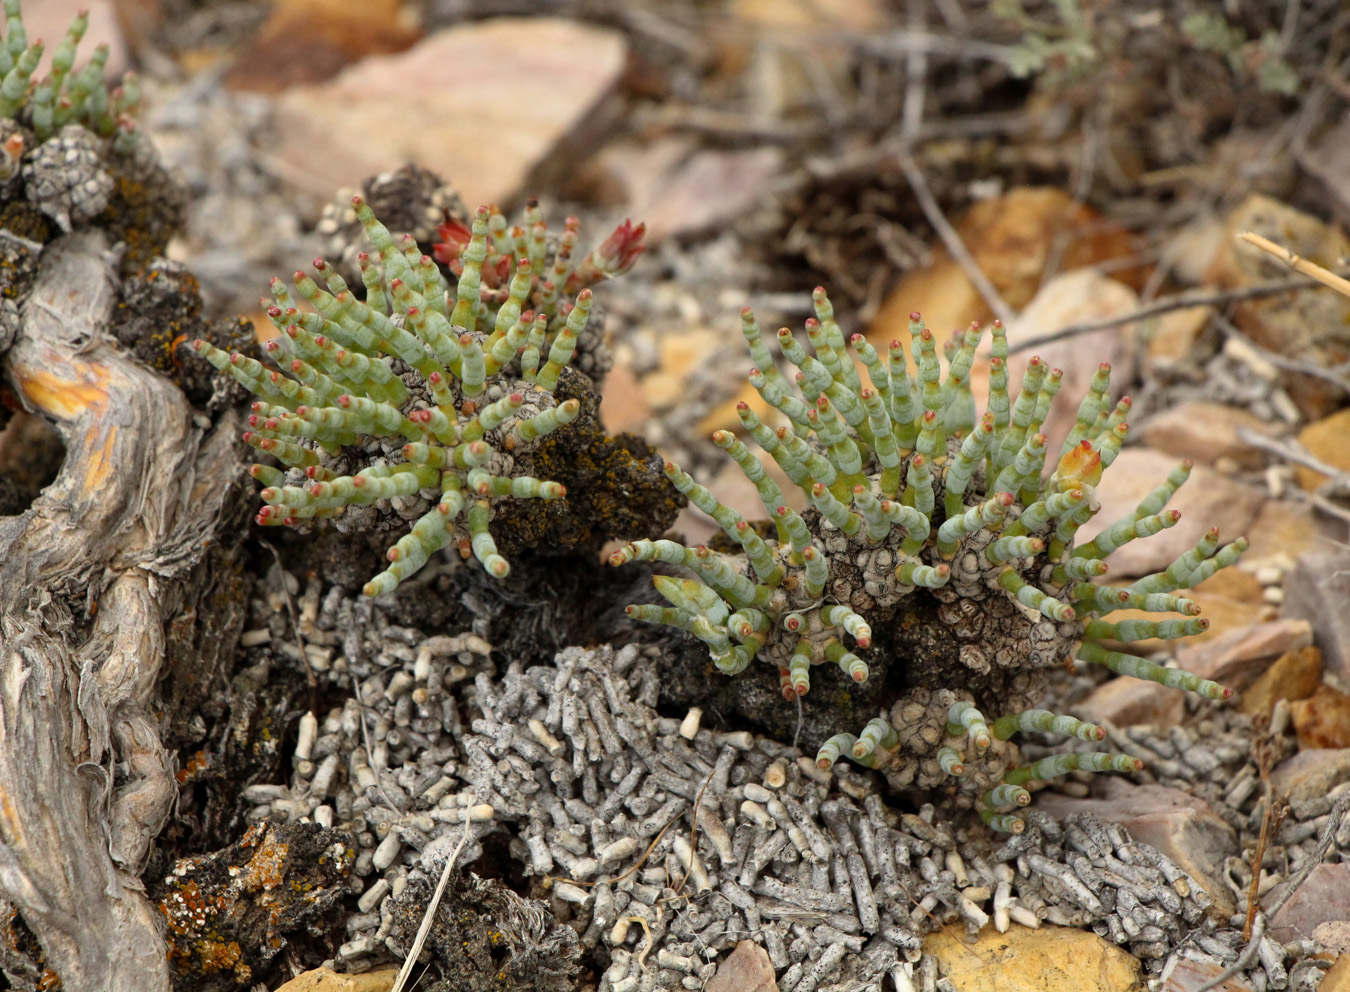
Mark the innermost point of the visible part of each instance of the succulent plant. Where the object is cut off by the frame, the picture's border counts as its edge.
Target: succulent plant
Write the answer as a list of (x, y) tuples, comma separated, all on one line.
[(423, 403), (933, 545)]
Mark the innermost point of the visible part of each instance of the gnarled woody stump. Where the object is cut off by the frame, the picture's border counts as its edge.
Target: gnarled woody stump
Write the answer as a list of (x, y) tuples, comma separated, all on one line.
[(139, 491)]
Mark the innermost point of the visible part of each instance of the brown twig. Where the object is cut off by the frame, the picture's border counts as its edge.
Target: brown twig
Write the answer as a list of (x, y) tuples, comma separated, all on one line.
[(955, 246)]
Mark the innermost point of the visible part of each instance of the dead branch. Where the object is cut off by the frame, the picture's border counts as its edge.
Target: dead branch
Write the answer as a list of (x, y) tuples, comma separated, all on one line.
[(88, 576)]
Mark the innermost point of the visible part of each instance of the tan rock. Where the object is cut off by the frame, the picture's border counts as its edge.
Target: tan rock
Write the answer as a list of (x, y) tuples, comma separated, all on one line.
[(707, 192), (1327, 440), (1323, 897), (1310, 774), (446, 104), (1126, 702), (1207, 500), (1236, 658), (326, 980), (746, 969), (1337, 978), (625, 406), (1323, 719), (680, 354), (1048, 959), (1311, 324), (1295, 675), (1172, 339), (1077, 297), (1283, 530), (1204, 433)]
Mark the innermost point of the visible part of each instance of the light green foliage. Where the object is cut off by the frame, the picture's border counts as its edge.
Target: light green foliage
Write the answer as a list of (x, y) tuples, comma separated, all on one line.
[(915, 498)]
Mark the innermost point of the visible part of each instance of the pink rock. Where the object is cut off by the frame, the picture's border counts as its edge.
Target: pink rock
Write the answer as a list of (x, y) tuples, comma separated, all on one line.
[(483, 104), (1207, 500), (1324, 897), (1181, 826), (1190, 974), (1127, 701), (746, 969)]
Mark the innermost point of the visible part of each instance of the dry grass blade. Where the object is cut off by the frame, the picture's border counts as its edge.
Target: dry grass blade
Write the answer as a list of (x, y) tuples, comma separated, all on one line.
[(1307, 268), (429, 916)]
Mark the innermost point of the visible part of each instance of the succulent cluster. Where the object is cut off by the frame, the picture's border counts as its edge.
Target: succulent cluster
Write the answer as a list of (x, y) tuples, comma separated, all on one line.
[(423, 403), (54, 129), (933, 547)]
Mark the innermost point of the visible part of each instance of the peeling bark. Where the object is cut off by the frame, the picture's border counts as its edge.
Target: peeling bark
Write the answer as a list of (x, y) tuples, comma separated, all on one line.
[(89, 576)]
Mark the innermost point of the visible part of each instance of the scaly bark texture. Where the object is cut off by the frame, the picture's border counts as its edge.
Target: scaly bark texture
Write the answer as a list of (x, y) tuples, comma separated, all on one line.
[(88, 576)]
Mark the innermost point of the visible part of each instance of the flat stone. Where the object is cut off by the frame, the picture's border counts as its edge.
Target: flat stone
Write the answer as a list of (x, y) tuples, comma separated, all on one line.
[(1323, 719), (1126, 702), (1207, 500), (1310, 324), (1283, 530), (1174, 339), (1327, 440), (1316, 590), (49, 20), (1205, 433), (1048, 959), (1324, 897), (1077, 297), (708, 192), (447, 103), (1334, 936), (1181, 826), (1190, 975), (327, 980), (1337, 979), (1311, 774), (1295, 675), (746, 969), (1238, 656)]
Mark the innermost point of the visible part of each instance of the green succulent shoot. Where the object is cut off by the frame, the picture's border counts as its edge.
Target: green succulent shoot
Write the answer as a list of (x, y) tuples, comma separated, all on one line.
[(421, 403), (928, 525)]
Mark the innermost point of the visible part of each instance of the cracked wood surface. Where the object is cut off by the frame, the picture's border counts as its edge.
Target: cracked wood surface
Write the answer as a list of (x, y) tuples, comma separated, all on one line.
[(89, 574)]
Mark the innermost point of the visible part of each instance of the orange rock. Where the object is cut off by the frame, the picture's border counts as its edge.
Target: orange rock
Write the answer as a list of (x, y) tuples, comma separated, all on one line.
[(1295, 675), (1172, 338), (1328, 440), (1016, 239), (304, 41), (1323, 720)]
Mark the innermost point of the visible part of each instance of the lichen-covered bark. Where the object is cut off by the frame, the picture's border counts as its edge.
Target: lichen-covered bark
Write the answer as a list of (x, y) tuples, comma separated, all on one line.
[(89, 574)]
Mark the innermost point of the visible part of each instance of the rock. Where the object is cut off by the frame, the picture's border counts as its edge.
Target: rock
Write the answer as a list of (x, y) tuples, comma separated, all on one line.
[(1204, 433), (1323, 719), (1181, 826), (1327, 440), (1295, 675), (746, 969), (1190, 974), (1310, 774), (1316, 591), (1207, 500), (1337, 979), (1283, 530), (49, 20), (1126, 701), (1048, 959), (304, 41), (1237, 657), (1334, 936), (326, 980), (1309, 324), (1172, 340), (707, 192), (1323, 897), (447, 102), (1077, 297), (1012, 239)]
